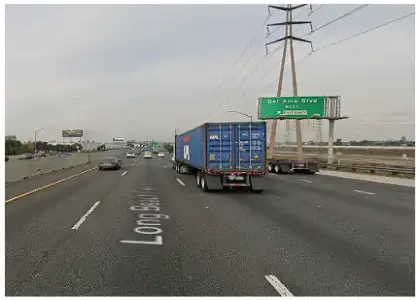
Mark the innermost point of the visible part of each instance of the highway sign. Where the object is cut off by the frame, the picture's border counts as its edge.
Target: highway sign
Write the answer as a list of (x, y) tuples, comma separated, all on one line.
[(305, 107), (155, 144)]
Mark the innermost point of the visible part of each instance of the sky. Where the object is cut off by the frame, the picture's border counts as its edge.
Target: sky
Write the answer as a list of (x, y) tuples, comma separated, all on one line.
[(142, 71)]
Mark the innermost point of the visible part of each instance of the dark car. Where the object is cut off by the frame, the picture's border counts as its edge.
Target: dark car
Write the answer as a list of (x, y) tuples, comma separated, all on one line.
[(110, 163)]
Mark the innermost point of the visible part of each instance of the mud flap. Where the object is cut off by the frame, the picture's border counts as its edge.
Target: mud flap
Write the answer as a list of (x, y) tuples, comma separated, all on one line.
[(259, 183), (214, 183)]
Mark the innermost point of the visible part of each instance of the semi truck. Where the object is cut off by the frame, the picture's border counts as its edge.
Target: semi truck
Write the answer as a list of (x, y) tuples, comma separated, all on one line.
[(224, 155), (288, 162), (286, 165)]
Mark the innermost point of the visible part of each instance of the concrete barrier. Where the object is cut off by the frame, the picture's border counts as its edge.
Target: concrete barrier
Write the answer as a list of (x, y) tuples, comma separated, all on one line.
[(16, 170)]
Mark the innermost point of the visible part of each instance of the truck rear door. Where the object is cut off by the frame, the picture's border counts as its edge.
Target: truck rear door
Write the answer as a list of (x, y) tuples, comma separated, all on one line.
[(250, 146), (220, 146), (236, 146)]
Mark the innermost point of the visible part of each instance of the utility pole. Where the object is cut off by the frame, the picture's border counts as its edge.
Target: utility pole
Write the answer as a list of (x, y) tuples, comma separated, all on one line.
[(288, 36), (273, 130)]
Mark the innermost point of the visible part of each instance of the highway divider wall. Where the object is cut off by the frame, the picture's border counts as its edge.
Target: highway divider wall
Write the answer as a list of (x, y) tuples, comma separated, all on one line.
[(16, 170)]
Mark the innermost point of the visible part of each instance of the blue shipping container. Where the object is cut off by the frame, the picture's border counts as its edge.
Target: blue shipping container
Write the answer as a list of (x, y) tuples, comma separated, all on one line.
[(228, 146)]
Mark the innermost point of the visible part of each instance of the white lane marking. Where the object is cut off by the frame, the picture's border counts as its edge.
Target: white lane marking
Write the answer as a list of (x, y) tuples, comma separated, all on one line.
[(123, 173), (132, 164), (83, 218), (180, 182), (372, 178), (278, 286), (363, 192), (164, 166), (306, 180)]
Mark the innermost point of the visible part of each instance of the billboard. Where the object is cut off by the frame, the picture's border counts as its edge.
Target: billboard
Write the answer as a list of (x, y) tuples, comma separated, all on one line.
[(72, 133)]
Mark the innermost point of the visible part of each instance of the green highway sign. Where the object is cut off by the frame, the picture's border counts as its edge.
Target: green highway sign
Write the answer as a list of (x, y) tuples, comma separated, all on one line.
[(305, 107)]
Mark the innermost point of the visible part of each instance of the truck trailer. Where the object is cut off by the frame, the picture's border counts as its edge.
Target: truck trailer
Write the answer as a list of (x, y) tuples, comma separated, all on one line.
[(224, 155), (286, 165)]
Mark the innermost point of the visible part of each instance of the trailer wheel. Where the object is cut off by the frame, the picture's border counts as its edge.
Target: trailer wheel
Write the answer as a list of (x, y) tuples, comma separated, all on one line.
[(270, 168), (203, 183), (277, 169), (198, 179)]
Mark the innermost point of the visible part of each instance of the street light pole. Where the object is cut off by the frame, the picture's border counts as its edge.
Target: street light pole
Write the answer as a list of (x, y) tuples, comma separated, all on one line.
[(36, 130), (241, 113)]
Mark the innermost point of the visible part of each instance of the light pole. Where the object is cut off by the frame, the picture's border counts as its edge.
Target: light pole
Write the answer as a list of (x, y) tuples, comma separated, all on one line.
[(35, 131), (241, 113)]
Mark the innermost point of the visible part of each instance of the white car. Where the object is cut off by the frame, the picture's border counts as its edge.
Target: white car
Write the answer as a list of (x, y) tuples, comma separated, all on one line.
[(130, 155), (173, 158), (161, 154), (147, 154)]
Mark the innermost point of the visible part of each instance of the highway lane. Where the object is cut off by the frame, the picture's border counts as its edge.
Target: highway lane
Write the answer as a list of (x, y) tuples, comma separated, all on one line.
[(317, 239), (93, 261), (37, 223), (331, 240)]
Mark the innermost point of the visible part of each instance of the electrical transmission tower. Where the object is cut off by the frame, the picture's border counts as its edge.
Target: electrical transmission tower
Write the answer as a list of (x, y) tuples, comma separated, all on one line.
[(288, 37), (319, 137)]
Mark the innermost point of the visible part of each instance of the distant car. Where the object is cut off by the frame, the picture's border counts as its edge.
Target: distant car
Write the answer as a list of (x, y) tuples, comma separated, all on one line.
[(173, 158), (161, 154), (130, 155), (26, 156), (147, 154), (110, 163)]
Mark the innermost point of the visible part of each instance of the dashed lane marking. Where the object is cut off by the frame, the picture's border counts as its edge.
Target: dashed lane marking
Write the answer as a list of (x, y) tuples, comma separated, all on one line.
[(124, 173), (180, 182), (278, 286), (48, 185), (306, 180), (83, 218), (364, 192)]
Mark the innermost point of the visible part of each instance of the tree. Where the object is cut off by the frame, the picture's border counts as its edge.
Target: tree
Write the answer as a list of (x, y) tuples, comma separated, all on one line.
[(12, 145), (168, 147), (339, 142)]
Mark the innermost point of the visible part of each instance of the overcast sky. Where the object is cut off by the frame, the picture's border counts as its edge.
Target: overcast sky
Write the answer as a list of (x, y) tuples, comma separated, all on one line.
[(138, 72)]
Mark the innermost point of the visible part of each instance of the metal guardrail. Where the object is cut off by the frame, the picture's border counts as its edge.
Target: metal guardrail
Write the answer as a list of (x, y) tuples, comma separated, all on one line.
[(393, 171)]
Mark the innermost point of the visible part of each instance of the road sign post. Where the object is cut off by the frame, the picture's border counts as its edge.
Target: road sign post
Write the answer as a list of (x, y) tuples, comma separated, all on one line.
[(301, 108)]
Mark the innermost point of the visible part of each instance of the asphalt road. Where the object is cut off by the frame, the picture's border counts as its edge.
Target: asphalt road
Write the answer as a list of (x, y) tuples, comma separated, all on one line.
[(317, 236)]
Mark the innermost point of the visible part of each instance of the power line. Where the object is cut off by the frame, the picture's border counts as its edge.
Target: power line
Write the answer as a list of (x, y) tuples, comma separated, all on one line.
[(316, 50), (364, 32), (242, 82), (318, 8), (341, 17), (351, 37), (241, 55), (323, 26)]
